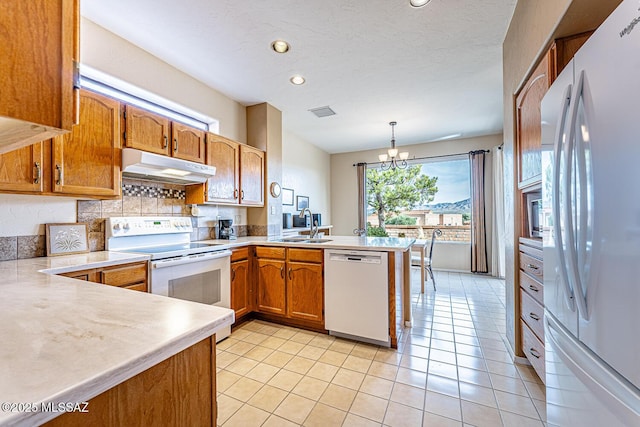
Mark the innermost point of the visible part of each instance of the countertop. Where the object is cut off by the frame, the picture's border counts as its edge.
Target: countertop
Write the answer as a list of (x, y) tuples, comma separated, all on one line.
[(387, 244), (65, 340)]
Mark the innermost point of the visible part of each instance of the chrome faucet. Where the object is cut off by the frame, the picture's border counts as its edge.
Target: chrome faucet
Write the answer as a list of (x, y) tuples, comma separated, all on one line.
[(313, 233)]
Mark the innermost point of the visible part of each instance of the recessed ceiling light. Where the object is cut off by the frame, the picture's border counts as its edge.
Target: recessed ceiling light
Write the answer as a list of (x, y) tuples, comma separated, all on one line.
[(419, 3), (297, 80), (280, 46)]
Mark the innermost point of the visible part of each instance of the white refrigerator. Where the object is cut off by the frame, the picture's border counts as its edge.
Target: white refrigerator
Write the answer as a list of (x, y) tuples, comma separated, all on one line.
[(591, 233)]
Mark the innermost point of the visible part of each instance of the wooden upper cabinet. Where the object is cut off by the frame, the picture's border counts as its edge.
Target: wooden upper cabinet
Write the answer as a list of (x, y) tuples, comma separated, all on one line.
[(39, 47), (146, 131), (528, 130), (224, 154), (251, 176), (305, 291), (21, 170), (187, 143), (87, 160)]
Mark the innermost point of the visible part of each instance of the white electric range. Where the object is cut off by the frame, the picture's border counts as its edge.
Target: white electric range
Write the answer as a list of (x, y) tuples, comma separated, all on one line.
[(179, 268)]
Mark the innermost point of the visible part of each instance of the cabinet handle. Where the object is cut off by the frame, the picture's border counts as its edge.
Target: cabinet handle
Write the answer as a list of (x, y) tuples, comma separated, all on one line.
[(534, 316), (59, 171), (235, 193), (531, 266), (534, 353), (242, 193), (290, 278), (175, 144), (282, 272), (533, 288), (38, 173), (166, 142)]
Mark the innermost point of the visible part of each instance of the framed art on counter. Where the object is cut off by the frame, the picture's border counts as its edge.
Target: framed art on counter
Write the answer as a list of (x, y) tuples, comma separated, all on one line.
[(66, 239)]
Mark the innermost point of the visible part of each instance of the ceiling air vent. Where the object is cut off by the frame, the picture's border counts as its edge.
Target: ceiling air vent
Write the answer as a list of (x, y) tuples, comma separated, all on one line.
[(323, 111)]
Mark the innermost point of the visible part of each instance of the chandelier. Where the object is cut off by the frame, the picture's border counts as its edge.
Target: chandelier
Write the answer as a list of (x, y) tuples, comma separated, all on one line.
[(392, 154)]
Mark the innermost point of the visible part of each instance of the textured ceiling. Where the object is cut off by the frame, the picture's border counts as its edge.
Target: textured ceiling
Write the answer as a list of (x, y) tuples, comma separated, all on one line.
[(436, 70)]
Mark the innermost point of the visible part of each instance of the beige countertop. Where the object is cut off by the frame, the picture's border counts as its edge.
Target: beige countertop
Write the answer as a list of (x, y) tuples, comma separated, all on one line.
[(387, 244), (65, 340)]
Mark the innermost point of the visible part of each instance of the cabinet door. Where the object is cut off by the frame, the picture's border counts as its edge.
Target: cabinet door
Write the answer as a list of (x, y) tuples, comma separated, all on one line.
[(39, 50), (146, 131), (240, 291), (251, 176), (305, 291), (87, 160), (187, 143), (271, 286), (224, 154), (528, 130), (21, 169)]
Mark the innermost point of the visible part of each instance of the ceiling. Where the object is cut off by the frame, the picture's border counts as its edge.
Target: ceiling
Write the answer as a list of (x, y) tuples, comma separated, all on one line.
[(436, 70)]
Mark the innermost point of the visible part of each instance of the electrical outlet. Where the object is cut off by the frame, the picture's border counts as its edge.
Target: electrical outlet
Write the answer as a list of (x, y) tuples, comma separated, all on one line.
[(273, 210), (237, 219)]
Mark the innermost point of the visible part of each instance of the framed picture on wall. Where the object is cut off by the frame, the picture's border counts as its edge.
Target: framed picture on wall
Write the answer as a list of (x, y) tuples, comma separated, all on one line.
[(65, 239), (287, 197), (302, 202)]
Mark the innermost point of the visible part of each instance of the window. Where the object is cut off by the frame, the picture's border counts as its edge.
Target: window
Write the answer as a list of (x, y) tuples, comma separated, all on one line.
[(410, 202)]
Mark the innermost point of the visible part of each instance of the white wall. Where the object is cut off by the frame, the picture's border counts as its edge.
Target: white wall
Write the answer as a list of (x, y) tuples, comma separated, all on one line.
[(113, 55), (307, 170), (22, 215), (344, 191)]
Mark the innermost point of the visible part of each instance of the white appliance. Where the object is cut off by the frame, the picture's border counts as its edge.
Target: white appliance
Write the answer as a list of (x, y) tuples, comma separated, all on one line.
[(591, 233), (198, 272), (145, 165), (356, 295)]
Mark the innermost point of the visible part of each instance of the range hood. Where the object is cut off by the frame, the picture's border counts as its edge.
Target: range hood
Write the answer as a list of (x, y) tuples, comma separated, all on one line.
[(143, 165)]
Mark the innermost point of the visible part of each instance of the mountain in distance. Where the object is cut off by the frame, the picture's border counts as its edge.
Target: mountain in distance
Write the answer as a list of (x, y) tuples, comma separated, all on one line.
[(461, 206)]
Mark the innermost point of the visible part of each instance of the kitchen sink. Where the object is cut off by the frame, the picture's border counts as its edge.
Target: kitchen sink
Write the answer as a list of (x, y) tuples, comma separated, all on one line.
[(301, 240)]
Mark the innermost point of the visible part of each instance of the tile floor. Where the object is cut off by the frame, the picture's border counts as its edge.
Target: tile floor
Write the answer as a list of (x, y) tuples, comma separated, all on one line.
[(451, 369)]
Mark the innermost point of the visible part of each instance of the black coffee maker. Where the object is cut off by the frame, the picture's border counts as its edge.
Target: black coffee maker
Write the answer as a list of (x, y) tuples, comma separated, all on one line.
[(225, 229)]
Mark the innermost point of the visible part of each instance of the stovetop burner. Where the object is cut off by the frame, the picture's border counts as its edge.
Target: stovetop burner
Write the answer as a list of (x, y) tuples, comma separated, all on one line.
[(160, 237)]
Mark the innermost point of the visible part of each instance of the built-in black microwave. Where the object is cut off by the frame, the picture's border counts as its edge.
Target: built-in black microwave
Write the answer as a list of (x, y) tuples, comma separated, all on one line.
[(534, 214)]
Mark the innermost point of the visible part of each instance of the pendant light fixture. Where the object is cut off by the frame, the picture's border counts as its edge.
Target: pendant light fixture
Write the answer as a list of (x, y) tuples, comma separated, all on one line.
[(392, 154)]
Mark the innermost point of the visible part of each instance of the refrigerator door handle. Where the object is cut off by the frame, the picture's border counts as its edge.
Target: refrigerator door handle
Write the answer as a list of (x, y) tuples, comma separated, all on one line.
[(556, 211), (571, 154), (615, 391)]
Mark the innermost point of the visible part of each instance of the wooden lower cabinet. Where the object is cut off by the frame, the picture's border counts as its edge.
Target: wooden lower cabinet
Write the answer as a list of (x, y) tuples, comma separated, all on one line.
[(241, 290), (291, 284), (531, 297), (180, 391), (127, 276), (271, 286), (305, 293)]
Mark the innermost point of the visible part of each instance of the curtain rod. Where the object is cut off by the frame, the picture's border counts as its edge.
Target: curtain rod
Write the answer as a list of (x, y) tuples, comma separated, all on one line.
[(428, 157)]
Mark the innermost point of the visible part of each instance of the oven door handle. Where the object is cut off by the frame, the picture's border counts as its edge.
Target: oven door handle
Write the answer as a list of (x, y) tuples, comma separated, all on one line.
[(207, 256)]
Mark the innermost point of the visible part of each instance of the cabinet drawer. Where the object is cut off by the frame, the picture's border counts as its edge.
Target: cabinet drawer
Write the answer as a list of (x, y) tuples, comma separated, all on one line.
[(305, 255), (531, 265), (239, 254), (141, 287), (125, 275), (533, 251), (532, 313), (533, 349), (269, 252), (532, 286)]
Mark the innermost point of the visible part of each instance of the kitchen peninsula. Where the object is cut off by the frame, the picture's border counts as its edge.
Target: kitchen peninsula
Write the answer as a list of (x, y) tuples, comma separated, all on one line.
[(68, 341)]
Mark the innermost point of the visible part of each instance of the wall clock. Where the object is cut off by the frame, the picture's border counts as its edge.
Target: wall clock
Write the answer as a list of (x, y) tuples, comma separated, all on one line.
[(275, 189)]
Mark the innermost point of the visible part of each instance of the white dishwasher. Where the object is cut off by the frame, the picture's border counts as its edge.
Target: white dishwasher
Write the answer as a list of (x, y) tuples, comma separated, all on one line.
[(356, 295)]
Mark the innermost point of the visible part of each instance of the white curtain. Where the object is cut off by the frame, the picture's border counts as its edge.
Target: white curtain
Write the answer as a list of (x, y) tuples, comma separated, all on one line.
[(498, 238)]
